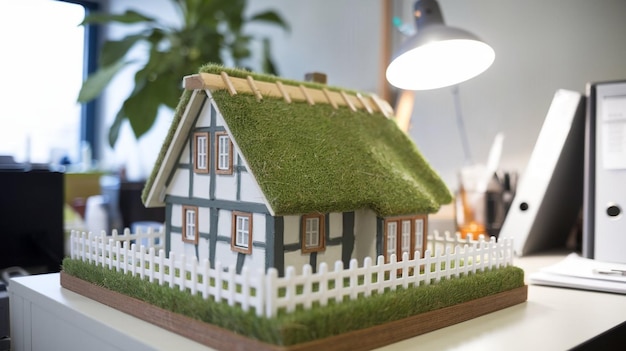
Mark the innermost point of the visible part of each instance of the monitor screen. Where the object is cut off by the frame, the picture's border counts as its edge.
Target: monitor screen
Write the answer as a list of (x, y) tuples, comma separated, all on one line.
[(31, 219)]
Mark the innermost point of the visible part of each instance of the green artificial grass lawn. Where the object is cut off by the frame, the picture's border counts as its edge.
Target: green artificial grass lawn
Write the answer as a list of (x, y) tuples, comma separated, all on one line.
[(316, 158), (305, 325)]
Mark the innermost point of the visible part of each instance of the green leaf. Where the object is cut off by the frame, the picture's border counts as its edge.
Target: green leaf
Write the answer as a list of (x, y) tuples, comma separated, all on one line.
[(271, 17), (95, 83), (267, 64), (114, 50), (141, 109), (114, 130), (128, 17)]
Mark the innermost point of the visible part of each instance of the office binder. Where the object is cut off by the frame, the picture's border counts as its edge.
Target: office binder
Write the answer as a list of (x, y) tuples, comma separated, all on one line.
[(548, 199), (604, 231)]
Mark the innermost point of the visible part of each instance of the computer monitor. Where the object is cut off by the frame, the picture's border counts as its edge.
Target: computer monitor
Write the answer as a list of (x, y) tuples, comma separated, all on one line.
[(31, 219)]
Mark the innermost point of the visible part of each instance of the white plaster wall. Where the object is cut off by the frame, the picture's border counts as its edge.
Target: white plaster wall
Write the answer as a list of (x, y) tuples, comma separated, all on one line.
[(179, 186), (331, 255), (291, 226), (204, 219), (224, 255), (204, 119), (226, 187), (250, 191), (224, 223), (185, 155), (176, 219), (179, 247), (335, 225), (201, 185), (296, 259), (258, 228), (365, 235)]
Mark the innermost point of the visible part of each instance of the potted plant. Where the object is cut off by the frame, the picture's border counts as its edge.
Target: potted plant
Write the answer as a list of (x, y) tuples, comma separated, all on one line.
[(209, 31)]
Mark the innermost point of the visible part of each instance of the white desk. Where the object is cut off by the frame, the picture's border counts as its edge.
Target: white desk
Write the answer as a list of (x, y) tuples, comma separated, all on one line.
[(45, 316)]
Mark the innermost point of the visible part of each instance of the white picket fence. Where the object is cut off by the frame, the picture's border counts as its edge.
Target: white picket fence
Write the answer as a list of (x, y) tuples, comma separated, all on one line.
[(266, 292)]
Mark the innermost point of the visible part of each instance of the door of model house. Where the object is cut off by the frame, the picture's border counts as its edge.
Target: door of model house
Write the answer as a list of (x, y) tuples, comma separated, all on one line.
[(405, 234)]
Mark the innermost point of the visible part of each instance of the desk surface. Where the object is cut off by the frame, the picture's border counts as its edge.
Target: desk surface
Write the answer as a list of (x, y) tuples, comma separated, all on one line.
[(551, 319)]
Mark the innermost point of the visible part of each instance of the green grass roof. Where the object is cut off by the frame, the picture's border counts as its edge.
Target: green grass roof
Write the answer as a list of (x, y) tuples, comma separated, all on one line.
[(320, 159)]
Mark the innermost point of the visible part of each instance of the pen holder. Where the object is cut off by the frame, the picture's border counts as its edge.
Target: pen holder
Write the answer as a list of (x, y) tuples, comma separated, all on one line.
[(481, 209)]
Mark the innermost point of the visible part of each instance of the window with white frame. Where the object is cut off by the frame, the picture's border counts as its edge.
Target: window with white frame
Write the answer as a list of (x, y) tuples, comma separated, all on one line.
[(190, 224), (223, 157), (201, 152), (313, 233), (241, 236), (406, 237), (392, 239), (419, 235), (405, 234)]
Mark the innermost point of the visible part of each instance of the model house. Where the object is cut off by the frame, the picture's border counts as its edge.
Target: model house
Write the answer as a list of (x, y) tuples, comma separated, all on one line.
[(265, 172)]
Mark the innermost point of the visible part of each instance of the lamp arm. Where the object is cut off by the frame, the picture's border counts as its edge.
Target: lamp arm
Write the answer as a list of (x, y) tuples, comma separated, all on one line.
[(460, 124)]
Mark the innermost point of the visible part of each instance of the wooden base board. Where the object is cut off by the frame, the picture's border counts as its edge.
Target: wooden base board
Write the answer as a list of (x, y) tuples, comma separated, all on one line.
[(363, 339)]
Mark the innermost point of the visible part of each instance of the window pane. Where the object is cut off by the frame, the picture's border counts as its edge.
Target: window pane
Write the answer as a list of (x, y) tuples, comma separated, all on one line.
[(312, 235), (406, 236), (201, 152), (224, 152), (391, 238), (41, 78), (242, 232)]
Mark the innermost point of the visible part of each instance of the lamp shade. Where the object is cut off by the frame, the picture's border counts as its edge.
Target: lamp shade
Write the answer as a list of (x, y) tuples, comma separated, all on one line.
[(437, 55)]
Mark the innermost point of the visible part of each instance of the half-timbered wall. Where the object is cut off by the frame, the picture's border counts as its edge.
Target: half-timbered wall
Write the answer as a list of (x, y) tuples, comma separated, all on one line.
[(217, 195)]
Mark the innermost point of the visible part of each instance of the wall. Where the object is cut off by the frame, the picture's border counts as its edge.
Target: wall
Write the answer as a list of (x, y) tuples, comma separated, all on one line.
[(541, 46)]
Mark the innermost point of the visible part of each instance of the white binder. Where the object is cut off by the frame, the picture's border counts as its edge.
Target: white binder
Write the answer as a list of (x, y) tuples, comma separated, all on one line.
[(548, 199), (604, 234)]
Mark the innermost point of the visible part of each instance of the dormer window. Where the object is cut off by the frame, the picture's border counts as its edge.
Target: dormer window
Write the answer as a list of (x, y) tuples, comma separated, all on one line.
[(201, 152), (223, 154)]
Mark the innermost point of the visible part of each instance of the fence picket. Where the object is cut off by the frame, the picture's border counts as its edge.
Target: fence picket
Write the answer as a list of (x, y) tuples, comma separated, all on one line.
[(267, 292)]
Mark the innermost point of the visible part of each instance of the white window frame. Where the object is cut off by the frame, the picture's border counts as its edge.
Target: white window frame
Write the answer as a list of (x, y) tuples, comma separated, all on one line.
[(201, 152), (313, 233), (420, 224), (241, 235), (223, 153), (190, 224), (404, 234), (406, 237), (391, 242)]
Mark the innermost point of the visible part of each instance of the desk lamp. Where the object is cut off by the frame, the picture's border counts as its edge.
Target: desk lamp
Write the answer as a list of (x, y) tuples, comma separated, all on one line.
[(437, 55)]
